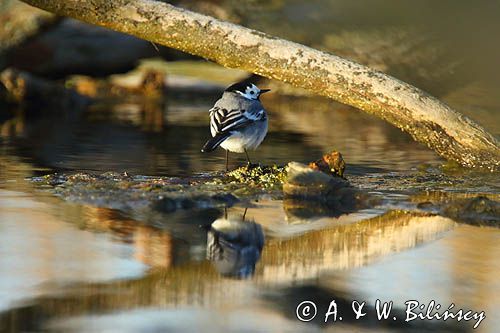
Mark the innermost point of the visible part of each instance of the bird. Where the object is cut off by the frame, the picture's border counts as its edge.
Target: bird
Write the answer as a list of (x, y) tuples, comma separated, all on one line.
[(234, 245), (238, 120)]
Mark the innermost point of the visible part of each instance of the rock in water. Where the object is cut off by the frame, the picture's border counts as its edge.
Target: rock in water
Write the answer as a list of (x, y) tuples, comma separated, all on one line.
[(311, 192), (478, 210), (332, 163)]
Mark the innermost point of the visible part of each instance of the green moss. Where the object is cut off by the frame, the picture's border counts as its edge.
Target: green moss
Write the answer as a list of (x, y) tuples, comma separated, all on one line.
[(265, 176), (131, 193)]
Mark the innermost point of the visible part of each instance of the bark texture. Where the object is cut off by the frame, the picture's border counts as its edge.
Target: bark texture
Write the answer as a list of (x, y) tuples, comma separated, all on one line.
[(426, 119)]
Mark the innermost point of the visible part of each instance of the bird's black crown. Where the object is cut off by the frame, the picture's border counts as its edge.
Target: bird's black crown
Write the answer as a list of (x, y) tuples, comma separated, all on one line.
[(239, 86)]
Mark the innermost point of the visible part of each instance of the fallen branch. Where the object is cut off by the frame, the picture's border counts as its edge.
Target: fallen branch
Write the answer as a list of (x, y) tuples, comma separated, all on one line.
[(426, 119)]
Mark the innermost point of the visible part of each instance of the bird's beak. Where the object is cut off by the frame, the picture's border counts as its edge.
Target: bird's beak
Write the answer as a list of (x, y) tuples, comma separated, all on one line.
[(264, 91)]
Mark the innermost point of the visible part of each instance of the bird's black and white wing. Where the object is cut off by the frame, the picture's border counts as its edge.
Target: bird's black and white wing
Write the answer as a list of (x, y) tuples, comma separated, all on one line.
[(224, 120)]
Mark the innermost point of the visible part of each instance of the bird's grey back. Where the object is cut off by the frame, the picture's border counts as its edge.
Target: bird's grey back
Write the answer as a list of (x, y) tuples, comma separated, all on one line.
[(233, 111), (232, 101)]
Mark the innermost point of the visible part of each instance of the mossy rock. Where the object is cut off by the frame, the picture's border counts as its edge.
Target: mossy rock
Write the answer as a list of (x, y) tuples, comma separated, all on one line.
[(266, 176)]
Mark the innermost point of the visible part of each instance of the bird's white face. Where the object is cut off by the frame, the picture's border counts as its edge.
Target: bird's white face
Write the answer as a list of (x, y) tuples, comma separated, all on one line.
[(251, 92)]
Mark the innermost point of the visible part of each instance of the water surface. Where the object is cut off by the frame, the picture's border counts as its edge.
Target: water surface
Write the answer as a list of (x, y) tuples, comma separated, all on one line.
[(73, 267)]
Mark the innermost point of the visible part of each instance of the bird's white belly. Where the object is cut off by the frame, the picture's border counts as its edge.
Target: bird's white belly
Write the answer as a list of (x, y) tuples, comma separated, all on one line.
[(248, 138)]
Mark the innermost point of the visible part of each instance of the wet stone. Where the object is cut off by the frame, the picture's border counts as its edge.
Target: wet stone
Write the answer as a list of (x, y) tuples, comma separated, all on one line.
[(309, 192), (478, 210), (305, 190), (332, 163), (160, 194)]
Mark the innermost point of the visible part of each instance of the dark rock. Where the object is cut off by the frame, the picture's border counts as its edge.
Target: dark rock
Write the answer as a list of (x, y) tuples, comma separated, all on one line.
[(165, 205), (427, 205), (478, 210), (3, 98)]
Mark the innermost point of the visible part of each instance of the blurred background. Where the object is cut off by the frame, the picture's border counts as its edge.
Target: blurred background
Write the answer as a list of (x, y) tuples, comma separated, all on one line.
[(80, 98)]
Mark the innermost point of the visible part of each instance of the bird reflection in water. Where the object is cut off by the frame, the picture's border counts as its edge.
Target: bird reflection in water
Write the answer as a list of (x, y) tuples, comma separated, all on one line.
[(234, 245)]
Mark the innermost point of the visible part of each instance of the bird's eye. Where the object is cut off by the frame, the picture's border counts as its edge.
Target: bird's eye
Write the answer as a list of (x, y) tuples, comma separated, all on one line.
[(251, 92)]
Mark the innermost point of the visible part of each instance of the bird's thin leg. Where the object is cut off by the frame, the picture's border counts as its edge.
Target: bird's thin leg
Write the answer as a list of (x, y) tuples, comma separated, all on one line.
[(244, 214), (225, 213), (248, 158), (227, 160)]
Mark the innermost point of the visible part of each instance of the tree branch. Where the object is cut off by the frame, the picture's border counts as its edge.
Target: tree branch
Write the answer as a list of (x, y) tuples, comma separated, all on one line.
[(426, 119)]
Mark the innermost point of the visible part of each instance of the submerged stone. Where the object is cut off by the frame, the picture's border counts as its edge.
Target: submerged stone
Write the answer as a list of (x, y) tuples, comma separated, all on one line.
[(474, 209), (125, 192), (478, 210), (161, 194)]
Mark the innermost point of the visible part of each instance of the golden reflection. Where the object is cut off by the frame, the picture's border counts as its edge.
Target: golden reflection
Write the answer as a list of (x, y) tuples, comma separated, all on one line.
[(347, 246), (283, 263), (333, 126), (39, 251), (148, 115), (153, 247), (12, 127), (13, 173), (153, 117), (476, 263)]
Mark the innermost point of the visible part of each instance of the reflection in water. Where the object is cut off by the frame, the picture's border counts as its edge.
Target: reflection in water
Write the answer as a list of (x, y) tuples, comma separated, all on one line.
[(299, 249), (138, 139), (348, 246), (295, 261), (152, 246), (39, 251), (234, 245)]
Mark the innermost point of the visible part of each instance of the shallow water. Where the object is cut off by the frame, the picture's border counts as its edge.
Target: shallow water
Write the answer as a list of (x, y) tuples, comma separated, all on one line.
[(72, 267)]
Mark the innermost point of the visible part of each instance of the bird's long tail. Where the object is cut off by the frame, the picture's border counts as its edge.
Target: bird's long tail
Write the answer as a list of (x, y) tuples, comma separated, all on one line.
[(215, 142)]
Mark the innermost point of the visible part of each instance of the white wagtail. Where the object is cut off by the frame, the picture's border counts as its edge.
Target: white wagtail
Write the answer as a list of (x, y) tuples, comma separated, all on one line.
[(234, 245), (238, 120)]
